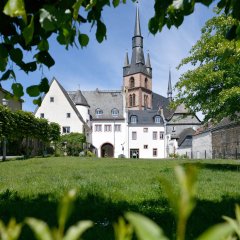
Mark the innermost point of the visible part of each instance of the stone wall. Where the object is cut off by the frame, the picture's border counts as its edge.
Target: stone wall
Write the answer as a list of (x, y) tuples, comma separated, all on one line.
[(226, 142)]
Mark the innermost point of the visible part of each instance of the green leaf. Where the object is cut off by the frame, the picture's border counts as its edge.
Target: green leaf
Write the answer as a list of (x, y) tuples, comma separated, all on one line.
[(116, 3), (217, 232), (31, 66), (43, 45), (145, 228), (15, 8), (33, 91), (83, 39), (17, 89), (45, 58), (16, 55), (65, 208), (28, 31), (75, 232), (76, 7), (37, 101), (3, 64), (47, 19), (44, 85), (3, 51), (8, 74), (40, 229), (101, 31)]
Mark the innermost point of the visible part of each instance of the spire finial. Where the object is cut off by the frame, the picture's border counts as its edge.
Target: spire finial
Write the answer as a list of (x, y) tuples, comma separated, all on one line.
[(148, 62), (169, 91), (137, 30), (126, 62)]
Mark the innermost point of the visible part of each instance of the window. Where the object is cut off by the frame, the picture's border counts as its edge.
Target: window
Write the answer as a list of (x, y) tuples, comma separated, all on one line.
[(66, 129), (133, 119), (133, 100), (99, 112), (41, 115), (134, 135), (157, 119), (98, 128), (68, 115), (161, 135), (132, 82), (146, 83), (145, 101), (173, 129), (130, 101), (145, 129), (154, 152), (107, 128), (117, 128), (145, 146), (154, 135), (115, 112), (51, 99)]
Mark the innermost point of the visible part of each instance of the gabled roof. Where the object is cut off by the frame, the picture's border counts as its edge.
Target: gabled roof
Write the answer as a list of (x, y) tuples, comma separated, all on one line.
[(186, 133), (145, 117)]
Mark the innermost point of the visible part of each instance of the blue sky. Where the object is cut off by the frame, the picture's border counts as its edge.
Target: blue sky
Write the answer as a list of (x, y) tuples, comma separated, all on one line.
[(100, 65)]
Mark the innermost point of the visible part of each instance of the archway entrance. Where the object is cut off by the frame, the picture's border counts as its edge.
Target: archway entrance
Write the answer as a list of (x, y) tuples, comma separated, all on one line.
[(107, 150)]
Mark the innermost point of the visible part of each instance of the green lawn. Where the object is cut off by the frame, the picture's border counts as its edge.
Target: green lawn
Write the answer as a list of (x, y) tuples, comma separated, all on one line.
[(108, 187)]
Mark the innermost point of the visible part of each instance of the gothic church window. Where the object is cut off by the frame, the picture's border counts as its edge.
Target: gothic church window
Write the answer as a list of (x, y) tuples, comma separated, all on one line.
[(132, 82), (130, 101), (146, 83), (133, 100), (145, 101)]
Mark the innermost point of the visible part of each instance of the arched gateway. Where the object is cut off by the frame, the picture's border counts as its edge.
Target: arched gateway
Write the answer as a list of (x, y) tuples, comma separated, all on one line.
[(107, 150)]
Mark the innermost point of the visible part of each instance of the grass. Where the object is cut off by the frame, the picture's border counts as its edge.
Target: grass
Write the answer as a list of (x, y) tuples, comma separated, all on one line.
[(109, 187)]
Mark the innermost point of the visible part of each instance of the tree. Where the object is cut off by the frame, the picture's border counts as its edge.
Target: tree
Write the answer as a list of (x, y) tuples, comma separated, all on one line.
[(213, 86), (26, 27)]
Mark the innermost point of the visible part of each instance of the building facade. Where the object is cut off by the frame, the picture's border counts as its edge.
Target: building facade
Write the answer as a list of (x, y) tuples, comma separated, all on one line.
[(134, 122)]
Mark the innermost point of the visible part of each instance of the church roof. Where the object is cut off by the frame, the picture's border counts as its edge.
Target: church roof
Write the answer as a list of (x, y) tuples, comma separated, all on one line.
[(106, 101)]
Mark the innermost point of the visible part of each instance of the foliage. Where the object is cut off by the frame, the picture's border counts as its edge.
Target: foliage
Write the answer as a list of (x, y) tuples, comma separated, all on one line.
[(73, 143), (20, 125), (135, 224), (27, 28), (213, 86)]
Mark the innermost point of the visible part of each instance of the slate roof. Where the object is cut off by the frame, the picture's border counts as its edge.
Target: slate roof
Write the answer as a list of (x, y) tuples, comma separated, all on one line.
[(78, 98), (158, 101), (106, 101), (185, 137), (144, 117)]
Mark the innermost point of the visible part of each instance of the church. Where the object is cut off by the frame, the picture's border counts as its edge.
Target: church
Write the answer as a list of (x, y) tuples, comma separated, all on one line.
[(132, 122)]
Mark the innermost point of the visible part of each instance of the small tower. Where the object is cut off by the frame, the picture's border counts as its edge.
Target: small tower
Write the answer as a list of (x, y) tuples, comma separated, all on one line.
[(137, 75), (169, 91)]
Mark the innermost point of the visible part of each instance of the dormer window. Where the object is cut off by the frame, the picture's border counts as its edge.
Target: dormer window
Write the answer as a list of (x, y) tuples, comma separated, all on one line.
[(132, 82), (133, 119), (157, 119), (115, 112), (99, 112)]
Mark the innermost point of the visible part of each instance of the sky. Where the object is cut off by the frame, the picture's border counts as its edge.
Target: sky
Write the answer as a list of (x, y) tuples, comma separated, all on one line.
[(100, 65)]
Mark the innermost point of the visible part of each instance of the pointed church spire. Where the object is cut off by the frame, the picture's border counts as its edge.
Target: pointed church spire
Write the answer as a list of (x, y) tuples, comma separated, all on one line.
[(126, 62), (148, 64), (169, 91), (137, 30)]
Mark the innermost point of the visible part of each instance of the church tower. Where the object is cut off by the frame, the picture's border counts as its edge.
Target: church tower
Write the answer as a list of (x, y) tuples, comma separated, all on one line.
[(137, 75)]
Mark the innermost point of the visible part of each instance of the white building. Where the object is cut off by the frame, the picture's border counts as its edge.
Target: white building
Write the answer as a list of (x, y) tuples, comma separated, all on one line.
[(134, 122)]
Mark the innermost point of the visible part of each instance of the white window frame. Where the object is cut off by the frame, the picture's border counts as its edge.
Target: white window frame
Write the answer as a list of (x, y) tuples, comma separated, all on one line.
[(98, 128), (161, 135), (66, 129), (117, 127), (107, 128), (134, 135), (154, 135), (155, 152), (145, 130), (157, 119), (133, 119)]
